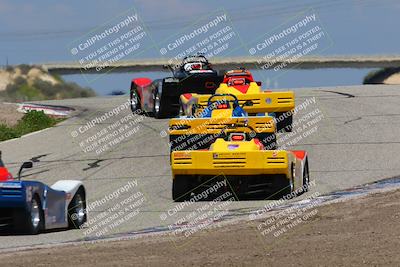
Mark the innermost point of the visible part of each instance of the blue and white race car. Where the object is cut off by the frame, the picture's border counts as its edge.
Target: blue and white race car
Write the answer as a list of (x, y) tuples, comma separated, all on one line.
[(32, 207)]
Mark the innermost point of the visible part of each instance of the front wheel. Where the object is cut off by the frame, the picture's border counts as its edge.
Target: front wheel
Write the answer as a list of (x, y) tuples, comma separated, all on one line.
[(77, 210)]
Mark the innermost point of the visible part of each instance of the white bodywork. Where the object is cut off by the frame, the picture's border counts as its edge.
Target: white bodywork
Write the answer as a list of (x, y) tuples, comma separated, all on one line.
[(299, 171), (68, 186)]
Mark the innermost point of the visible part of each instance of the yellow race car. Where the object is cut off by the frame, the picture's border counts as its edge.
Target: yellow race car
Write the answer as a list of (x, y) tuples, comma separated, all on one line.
[(241, 84), (241, 167), (224, 148)]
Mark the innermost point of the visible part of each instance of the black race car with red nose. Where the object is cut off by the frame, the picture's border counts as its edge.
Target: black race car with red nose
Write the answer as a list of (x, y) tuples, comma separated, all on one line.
[(160, 97)]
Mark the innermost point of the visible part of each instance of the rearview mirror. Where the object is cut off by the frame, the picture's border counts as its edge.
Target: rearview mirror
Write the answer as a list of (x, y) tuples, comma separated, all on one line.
[(259, 83), (25, 165)]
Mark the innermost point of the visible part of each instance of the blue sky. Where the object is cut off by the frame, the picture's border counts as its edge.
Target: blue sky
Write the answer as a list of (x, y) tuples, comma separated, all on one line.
[(42, 31)]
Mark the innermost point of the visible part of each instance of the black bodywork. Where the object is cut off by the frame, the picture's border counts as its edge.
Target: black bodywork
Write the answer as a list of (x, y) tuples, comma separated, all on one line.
[(161, 97)]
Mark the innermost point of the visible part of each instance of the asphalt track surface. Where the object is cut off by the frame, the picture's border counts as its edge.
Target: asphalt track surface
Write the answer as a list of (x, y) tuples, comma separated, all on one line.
[(356, 142)]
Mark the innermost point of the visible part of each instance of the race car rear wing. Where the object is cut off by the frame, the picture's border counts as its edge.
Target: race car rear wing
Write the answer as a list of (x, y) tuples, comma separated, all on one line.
[(231, 162), (188, 126), (266, 102)]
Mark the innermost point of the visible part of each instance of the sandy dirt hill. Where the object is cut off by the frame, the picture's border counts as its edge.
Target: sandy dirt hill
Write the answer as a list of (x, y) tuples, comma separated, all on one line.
[(383, 76), (393, 79), (29, 83), (31, 74)]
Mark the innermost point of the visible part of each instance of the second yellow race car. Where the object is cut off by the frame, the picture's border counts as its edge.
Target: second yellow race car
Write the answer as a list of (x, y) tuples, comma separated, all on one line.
[(241, 84)]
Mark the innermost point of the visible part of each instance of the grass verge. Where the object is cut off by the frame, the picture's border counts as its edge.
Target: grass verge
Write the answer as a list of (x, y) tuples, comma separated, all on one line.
[(31, 122)]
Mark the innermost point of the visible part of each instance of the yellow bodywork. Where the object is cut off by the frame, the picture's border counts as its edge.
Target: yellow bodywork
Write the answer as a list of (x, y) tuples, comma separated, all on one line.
[(263, 102), (214, 125), (232, 158), (223, 88)]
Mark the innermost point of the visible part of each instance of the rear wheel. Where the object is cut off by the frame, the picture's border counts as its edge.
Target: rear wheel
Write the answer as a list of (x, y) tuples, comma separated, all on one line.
[(306, 176), (180, 189), (284, 185), (77, 210), (269, 141), (135, 101), (194, 110), (181, 110), (160, 105), (286, 188), (284, 122), (30, 220)]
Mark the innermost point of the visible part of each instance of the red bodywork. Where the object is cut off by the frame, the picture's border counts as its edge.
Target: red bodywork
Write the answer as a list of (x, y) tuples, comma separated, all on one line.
[(238, 74), (144, 90), (187, 96), (4, 174), (141, 83), (300, 154), (239, 79)]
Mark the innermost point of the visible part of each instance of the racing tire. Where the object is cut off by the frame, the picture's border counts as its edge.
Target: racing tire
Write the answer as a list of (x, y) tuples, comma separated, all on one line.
[(135, 101), (285, 124), (306, 177), (181, 110), (30, 220), (77, 210), (284, 186), (180, 188), (269, 141), (160, 105), (194, 110)]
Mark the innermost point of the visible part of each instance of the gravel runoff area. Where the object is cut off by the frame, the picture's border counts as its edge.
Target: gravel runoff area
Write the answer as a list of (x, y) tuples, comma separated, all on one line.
[(360, 232)]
